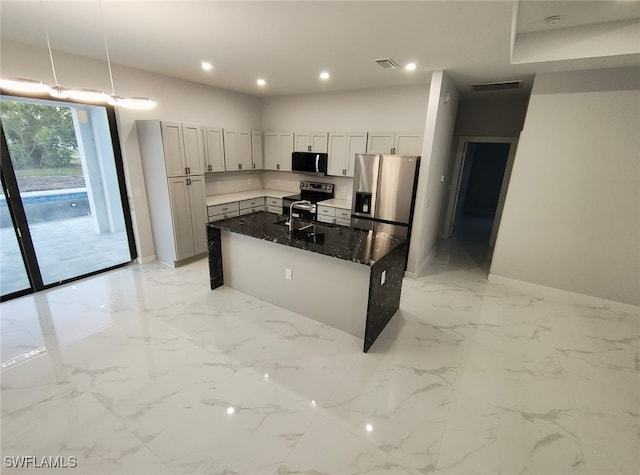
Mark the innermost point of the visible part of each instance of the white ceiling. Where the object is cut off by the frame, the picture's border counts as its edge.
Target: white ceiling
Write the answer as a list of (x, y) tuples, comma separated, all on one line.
[(289, 43)]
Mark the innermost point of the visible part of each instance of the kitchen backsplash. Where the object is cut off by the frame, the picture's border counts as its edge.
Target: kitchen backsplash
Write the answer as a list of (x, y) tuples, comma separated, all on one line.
[(232, 182)]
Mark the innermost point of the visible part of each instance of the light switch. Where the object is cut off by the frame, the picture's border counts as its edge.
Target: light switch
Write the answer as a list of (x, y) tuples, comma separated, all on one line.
[(383, 277), (287, 274)]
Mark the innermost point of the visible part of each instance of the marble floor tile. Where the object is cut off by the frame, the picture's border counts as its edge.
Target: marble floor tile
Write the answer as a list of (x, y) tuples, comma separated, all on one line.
[(145, 370), (327, 448)]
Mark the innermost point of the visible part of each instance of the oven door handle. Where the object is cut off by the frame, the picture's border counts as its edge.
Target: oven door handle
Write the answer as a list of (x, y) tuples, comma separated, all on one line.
[(304, 207)]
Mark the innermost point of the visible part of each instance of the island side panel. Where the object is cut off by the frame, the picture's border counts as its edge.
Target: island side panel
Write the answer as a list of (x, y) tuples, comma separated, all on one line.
[(329, 290), (384, 299), (216, 275)]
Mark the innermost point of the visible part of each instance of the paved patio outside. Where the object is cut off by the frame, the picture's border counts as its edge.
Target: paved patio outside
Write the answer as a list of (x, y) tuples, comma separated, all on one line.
[(65, 249)]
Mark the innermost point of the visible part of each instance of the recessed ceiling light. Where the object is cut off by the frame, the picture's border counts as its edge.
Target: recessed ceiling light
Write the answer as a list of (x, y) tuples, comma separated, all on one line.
[(206, 66), (324, 75), (261, 82), (410, 66), (552, 20)]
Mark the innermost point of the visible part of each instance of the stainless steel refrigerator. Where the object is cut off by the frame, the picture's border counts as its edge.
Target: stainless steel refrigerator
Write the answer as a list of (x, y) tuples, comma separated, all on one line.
[(384, 188)]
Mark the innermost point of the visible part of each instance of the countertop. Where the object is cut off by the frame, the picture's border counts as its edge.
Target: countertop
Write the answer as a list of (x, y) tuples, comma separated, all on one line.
[(246, 195), (350, 244), (337, 203)]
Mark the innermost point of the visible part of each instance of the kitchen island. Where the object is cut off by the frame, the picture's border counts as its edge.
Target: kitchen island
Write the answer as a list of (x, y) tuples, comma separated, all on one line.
[(348, 278)]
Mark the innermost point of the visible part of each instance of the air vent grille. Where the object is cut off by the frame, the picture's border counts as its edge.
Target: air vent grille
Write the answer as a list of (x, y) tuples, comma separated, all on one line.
[(387, 63), (496, 86)]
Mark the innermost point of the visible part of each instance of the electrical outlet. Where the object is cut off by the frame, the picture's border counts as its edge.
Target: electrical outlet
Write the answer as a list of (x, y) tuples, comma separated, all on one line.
[(287, 274)]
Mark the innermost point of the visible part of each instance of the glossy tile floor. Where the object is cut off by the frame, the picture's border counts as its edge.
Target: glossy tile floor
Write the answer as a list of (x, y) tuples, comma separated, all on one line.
[(144, 370)]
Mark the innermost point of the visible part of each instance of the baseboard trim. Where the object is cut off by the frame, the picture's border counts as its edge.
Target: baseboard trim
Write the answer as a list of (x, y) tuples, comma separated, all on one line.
[(565, 295), (421, 268), (146, 259)]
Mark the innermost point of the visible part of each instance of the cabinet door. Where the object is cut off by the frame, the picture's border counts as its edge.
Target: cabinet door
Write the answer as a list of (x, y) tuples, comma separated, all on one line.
[(337, 154), (215, 150), (286, 149), (231, 157), (271, 151), (256, 150), (198, 212), (181, 217), (319, 142), (408, 143), (193, 150), (356, 143), (302, 142), (380, 142), (172, 143), (244, 150)]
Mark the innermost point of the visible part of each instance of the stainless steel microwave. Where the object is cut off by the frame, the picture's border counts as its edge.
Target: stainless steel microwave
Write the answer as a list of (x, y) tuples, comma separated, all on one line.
[(309, 162)]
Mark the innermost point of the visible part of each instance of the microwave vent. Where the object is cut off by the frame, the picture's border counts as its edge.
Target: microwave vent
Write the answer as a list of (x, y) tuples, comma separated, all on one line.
[(496, 86), (387, 63)]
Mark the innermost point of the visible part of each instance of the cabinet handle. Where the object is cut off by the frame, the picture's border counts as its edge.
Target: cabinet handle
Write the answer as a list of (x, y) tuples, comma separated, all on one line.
[(278, 166), (308, 148), (186, 172), (254, 165), (188, 181), (239, 166), (393, 150), (225, 209), (210, 167)]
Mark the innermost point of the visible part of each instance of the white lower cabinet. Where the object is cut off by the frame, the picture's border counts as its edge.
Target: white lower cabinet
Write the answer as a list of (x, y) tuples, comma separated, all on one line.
[(223, 211), (331, 215), (186, 198), (274, 205), (251, 206)]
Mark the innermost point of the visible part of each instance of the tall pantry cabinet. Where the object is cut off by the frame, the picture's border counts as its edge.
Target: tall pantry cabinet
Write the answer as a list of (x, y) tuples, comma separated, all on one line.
[(173, 160)]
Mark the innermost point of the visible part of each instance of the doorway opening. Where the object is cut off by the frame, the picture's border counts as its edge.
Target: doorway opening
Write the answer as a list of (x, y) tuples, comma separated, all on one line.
[(64, 211), (479, 188), (481, 176)]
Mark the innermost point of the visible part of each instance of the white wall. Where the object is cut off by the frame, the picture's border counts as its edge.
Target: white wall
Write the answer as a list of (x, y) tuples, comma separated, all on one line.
[(177, 101), (491, 117), (572, 214), (401, 108), (436, 148)]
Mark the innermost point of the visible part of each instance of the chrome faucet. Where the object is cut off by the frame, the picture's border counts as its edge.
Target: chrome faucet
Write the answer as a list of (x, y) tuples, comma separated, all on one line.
[(303, 202)]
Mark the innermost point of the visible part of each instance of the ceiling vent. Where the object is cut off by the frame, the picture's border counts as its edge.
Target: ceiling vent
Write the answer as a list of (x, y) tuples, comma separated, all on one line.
[(387, 63), (496, 86)]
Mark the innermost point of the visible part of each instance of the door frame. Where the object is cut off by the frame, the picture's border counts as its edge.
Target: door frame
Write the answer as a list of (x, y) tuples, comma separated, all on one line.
[(16, 208), (460, 158)]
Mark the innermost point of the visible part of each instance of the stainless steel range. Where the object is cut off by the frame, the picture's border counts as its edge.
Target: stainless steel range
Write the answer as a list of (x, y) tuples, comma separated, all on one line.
[(309, 191)]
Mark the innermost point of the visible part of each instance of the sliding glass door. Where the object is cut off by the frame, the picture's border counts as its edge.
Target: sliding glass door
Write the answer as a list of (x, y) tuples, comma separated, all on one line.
[(63, 187)]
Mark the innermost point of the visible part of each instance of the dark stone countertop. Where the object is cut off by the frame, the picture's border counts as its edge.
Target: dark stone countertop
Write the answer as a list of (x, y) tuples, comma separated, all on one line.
[(350, 244)]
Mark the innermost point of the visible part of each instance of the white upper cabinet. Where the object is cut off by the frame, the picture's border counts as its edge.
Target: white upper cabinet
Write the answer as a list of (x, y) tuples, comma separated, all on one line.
[(256, 150), (310, 142), (400, 143), (380, 142), (214, 149), (244, 150), (183, 149), (408, 143), (286, 149), (343, 146), (278, 147), (231, 155), (193, 149), (172, 144)]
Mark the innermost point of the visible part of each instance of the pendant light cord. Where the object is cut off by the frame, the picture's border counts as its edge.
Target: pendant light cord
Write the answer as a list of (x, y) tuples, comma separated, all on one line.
[(106, 48), (46, 32)]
